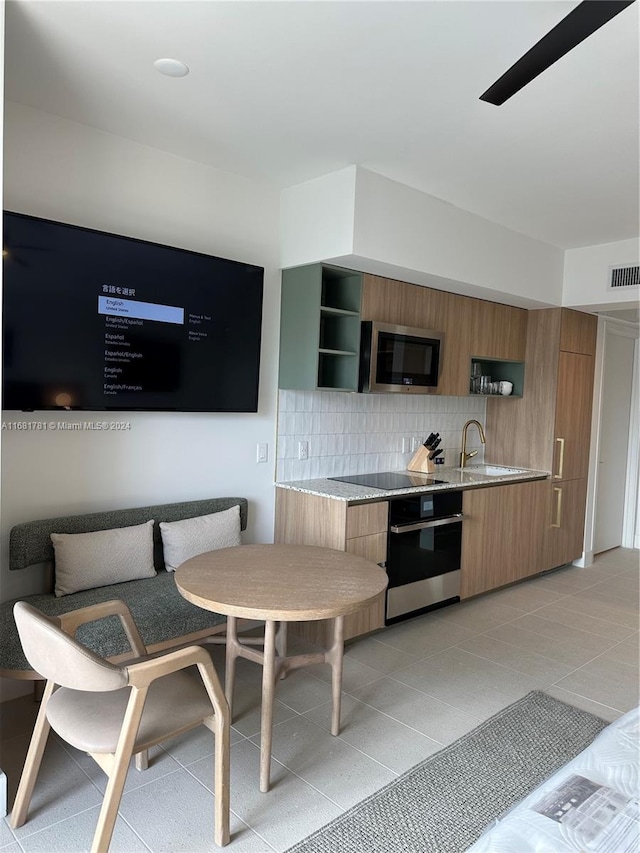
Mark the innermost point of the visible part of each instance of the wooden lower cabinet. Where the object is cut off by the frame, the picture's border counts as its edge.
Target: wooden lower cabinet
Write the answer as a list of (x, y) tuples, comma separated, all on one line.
[(509, 532), (565, 531), (305, 519), (503, 535), (372, 547)]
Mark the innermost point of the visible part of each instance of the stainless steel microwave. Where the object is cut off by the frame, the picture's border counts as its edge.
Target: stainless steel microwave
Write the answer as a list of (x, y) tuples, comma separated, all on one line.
[(399, 358)]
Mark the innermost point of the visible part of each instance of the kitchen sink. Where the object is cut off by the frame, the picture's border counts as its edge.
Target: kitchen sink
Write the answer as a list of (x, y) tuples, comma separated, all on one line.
[(492, 470)]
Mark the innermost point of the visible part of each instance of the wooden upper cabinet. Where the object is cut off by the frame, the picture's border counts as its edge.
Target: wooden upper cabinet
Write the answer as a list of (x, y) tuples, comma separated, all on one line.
[(497, 331), (578, 331), (573, 416), (389, 301), (558, 389), (453, 317)]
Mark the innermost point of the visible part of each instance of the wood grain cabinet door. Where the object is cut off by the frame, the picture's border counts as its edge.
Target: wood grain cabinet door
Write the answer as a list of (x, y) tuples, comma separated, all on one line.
[(498, 331), (573, 416), (503, 535), (365, 519), (388, 301), (566, 522), (578, 331)]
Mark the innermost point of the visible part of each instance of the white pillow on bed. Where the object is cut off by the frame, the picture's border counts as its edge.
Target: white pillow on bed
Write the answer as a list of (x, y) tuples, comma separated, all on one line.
[(88, 560), (184, 539)]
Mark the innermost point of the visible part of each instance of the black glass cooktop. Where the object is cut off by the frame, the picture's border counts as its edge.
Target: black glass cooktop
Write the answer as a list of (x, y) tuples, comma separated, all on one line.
[(389, 480)]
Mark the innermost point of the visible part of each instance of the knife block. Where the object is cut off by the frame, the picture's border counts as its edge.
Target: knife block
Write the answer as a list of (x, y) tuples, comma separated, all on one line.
[(420, 462)]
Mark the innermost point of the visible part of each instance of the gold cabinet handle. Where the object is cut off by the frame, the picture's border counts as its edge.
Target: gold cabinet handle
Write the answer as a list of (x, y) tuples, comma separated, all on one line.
[(558, 521), (558, 476)]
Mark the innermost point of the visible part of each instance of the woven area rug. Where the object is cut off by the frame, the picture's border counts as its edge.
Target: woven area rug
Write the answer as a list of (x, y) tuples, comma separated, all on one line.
[(443, 804)]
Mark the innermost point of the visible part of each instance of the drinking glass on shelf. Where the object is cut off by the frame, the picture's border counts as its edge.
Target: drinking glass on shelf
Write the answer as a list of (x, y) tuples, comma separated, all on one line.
[(476, 371), (485, 385)]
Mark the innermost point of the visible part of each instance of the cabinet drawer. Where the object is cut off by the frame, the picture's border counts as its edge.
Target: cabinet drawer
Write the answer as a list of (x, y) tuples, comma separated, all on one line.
[(372, 547), (367, 518)]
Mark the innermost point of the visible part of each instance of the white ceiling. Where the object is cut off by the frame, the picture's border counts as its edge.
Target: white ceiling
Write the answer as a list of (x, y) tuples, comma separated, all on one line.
[(286, 91)]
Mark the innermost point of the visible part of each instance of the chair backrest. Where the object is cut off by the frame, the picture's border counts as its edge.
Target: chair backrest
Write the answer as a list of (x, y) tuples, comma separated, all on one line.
[(62, 659)]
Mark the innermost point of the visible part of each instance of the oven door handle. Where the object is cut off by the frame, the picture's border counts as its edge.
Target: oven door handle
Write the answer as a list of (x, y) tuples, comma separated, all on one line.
[(423, 525)]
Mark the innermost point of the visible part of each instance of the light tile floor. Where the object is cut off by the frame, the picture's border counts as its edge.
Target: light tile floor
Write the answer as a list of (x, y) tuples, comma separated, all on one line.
[(409, 690)]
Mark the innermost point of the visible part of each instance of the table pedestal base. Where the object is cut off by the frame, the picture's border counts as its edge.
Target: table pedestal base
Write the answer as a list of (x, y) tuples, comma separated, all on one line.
[(275, 664)]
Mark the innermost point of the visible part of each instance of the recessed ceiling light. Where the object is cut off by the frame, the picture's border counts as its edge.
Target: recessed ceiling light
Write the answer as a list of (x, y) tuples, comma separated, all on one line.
[(171, 67)]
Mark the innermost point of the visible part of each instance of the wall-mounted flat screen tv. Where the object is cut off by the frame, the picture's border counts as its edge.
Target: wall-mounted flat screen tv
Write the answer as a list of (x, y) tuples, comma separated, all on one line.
[(94, 321)]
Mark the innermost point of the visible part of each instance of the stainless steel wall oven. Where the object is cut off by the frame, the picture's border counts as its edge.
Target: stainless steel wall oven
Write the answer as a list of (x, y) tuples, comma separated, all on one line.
[(423, 564)]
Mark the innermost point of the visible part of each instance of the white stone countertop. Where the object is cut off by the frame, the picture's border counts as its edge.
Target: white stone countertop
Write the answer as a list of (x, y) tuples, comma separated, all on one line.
[(453, 478)]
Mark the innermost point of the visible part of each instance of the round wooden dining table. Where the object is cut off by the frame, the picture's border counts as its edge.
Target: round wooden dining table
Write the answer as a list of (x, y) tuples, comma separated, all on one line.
[(279, 584)]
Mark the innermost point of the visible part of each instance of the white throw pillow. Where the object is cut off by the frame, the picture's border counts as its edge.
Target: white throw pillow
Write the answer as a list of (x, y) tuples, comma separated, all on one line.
[(184, 539), (88, 560)]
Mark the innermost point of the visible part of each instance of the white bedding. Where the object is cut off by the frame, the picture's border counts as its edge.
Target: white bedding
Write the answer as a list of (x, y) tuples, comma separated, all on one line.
[(596, 795)]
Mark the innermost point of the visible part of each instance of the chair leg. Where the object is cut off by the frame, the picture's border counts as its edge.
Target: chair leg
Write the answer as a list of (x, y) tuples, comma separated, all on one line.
[(142, 760), (221, 780), (109, 810), (221, 731), (118, 776), (32, 762)]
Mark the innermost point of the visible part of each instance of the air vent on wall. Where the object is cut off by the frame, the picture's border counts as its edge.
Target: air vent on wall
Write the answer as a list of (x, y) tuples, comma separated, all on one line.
[(627, 276)]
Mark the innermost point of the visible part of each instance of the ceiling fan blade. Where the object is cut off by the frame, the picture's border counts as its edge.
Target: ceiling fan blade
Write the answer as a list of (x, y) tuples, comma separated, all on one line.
[(584, 20)]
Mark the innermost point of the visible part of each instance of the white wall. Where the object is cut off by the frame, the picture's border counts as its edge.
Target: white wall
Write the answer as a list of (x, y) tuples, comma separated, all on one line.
[(586, 276), (69, 172), (317, 219), (380, 226), (400, 225)]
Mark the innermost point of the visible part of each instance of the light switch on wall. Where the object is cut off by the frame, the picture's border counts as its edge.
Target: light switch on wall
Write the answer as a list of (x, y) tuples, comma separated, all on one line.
[(262, 454)]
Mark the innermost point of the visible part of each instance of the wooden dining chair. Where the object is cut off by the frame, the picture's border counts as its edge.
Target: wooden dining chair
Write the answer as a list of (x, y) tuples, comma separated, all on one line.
[(115, 711)]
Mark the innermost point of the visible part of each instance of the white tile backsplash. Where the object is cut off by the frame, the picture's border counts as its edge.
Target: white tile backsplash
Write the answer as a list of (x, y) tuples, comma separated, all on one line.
[(361, 433)]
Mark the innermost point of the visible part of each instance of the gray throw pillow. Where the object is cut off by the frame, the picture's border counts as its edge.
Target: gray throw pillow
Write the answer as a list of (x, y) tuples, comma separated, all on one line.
[(184, 539), (88, 560)]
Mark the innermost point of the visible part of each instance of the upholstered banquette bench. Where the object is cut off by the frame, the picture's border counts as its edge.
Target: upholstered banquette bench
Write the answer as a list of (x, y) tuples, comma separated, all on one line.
[(165, 619)]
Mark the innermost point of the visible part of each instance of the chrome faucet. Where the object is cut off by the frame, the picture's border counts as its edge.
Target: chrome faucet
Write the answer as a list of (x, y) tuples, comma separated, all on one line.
[(464, 455)]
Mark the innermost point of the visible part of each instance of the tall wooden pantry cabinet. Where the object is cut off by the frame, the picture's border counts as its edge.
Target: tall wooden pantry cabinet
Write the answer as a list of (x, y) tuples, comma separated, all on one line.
[(550, 427)]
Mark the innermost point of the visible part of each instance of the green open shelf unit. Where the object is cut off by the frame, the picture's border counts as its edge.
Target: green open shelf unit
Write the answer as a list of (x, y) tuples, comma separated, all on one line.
[(320, 328), (499, 370)]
